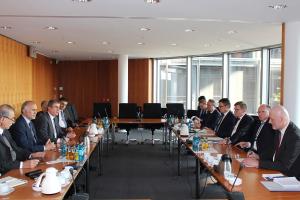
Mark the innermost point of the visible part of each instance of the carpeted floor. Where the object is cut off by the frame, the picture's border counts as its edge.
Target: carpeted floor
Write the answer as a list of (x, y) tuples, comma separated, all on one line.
[(143, 171)]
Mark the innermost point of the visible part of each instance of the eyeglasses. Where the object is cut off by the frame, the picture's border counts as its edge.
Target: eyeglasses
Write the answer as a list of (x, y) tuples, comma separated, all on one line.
[(11, 119)]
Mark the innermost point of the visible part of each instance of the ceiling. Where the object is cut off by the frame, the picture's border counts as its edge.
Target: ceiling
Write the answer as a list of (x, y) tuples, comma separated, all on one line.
[(219, 25)]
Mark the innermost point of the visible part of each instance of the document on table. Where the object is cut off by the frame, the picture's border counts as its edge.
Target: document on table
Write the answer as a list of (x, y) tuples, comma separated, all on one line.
[(281, 183), (13, 182)]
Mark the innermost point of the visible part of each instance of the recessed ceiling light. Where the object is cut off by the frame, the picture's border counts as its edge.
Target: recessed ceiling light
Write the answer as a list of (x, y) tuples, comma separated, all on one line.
[(82, 1), (152, 1), (105, 43), (237, 46), (145, 29), (231, 32), (189, 30), (207, 45), (278, 6), (140, 43), (51, 28), (173, 44), (70, 42), (35, 42), (6, 27)]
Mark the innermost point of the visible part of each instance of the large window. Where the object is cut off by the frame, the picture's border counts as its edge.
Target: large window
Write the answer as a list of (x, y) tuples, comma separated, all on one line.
[(275, 74), (173, 81), (244, 78), (207, 74)]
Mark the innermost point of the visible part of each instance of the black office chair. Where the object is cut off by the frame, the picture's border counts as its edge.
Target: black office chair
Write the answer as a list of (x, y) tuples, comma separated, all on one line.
[(102, 110), (152, 111), (175, 109), (191, 113), (129, 111)]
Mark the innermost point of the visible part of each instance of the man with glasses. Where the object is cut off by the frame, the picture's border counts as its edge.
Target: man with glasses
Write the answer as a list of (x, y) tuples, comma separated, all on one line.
[(24, 132), (226, 122), (12, 156), (261, 140), (286, 157), (47, 125), (212, 116)]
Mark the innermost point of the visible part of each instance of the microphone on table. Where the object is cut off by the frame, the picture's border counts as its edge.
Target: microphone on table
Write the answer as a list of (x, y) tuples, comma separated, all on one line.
[(236, 195)]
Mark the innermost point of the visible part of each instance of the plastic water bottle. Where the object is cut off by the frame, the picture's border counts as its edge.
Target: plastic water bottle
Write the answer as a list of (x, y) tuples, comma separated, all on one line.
[(196, 143)]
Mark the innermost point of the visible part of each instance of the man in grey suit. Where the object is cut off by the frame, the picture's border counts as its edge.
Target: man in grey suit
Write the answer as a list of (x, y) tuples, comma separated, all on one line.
[(47, 125), (287, 144), (12, 156)]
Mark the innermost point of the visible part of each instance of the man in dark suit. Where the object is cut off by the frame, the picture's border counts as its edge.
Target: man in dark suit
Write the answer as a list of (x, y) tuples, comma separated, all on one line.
[(242, 124), (12, 156), (24, 132), (287, 145), (202, 107), (261, 141), (212, 116), (226, 122), (66, 114), (44, 106), (48, 127)]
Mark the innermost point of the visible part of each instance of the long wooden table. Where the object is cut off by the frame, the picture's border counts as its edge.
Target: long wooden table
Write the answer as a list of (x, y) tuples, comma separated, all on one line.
[(26, 192), (251, 186)]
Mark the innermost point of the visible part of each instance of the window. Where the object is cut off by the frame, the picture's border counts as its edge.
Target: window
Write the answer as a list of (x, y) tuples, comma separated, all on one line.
[(173, 81), (209, 78), (274, 76), (244, 78)]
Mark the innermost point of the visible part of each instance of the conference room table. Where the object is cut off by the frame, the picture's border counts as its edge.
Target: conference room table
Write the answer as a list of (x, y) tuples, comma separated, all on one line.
[(251, 186), (25, 191)]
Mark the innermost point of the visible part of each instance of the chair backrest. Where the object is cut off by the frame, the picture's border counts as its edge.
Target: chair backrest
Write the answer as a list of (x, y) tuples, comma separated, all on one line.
[(191, 113), (127, 110), (102, 109), (152, 110), (163, 112), (175, 109)]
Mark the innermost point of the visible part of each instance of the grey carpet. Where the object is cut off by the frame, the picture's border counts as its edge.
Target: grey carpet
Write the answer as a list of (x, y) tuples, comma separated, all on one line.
[(143, 171)]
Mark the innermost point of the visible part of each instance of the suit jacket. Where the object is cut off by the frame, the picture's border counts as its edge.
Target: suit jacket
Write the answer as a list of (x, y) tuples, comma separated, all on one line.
[(211, 119), (287, 157), (72, 112), (69, 119), (265, 140), (23, 137), (226, 126), (45, 129), (6, 162), (241, 133)]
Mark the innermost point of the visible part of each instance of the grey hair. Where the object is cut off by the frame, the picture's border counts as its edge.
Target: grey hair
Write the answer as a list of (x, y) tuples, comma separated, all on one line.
[(25, 104), (5, 110)]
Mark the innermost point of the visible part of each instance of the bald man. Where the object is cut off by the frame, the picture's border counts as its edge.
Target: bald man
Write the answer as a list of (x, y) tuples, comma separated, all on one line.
[(24, 132), (287, 144)]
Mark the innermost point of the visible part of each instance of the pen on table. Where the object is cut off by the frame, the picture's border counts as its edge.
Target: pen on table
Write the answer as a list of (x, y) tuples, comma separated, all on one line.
[(272, 178)]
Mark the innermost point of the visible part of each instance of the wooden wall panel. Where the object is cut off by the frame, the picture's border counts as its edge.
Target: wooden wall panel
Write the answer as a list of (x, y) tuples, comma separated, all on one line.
[(23, 78), (139, 75)]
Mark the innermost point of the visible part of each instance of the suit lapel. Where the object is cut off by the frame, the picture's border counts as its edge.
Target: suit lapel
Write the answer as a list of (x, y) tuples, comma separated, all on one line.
[(50, 126)]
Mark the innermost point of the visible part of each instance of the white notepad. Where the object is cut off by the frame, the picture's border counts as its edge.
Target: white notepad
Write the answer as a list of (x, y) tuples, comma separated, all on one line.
[(13, 182)]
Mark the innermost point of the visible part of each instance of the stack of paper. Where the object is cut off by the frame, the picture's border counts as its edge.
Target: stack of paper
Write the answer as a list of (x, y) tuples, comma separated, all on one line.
[(12, 182), (288, 182)]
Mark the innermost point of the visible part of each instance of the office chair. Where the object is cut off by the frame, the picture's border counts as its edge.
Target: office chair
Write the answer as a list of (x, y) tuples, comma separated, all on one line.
[(175, 109), (191, 113), (152, 111), (102, 110), (127, 111)]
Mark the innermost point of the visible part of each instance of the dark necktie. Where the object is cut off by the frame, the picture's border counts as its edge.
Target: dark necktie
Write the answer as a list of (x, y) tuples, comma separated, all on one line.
[(12, 152), (257, 134), (32, 131), (277, 144)]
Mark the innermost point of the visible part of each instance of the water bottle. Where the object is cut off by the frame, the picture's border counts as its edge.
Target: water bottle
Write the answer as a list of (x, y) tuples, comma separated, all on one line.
[(227, 166), (196, 143), (63, 148)]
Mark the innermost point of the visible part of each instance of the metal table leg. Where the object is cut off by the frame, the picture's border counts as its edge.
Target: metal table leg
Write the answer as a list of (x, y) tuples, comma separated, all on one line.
[(87, 176), (107, 140), (100, 153), (170, 142), (197, 179), (178, 157)]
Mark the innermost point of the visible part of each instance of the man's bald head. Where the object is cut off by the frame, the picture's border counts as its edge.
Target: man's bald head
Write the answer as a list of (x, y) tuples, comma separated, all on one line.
[(279, 117), (29, 109)]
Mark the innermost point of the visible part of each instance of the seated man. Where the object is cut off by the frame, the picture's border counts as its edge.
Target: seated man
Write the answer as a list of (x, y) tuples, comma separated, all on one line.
[(47, 125), (226, 122), (242, 125), (66, 118), (261, 141), (212, 116), (287, 145), (24, 132), (44, 106), (202, 107), (12, 156)]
